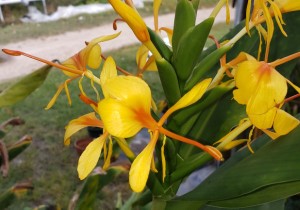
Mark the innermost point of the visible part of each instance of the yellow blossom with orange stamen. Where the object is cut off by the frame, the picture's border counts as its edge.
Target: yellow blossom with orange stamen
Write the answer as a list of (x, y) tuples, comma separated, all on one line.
[(79, 65), (128, 109), (263, 90)]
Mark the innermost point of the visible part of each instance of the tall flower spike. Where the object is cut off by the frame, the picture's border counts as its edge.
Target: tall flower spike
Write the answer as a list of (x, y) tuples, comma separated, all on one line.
[(127, 110)]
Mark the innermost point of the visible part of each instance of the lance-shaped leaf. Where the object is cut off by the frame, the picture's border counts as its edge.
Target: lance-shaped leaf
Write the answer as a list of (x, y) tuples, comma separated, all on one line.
[(24, 87), (246, 174)]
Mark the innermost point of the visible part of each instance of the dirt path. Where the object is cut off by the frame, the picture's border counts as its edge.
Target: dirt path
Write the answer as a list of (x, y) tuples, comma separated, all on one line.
[(64, 45)]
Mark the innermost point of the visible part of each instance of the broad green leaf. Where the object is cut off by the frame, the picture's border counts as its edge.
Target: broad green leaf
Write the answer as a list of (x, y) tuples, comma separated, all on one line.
[(24, 87), (273, 163), (264, 195), (276, 205)]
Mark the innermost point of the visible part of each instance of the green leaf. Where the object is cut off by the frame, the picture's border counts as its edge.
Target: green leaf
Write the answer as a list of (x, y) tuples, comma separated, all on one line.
[(276, 205), (273, 163), (264, 195), (24, 87)]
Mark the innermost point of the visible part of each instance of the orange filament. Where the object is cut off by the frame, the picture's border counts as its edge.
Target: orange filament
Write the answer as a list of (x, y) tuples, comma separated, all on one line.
[(19, 53)]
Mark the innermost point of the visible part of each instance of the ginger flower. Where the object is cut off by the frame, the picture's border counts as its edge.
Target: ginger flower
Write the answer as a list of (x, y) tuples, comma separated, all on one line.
[(263, 90), (127, 110), (130, 15), (263, 11), (79, 65)]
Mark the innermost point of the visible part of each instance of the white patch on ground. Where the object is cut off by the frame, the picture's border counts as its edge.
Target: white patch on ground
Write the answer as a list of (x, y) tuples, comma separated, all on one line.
[(34, 15)]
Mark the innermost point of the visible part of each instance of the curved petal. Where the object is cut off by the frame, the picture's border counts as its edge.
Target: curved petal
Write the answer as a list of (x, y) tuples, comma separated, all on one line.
[(263, 121), (80, 123), (189, 98), (270, 91), (130, 90), (94, 59), (90, 156), (246, 80), (284, 122), (140, 168), (119, 120), (109, 70), (132, 18)]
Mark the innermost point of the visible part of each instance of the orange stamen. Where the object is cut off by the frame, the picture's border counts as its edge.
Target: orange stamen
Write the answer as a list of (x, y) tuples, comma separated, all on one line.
[(292, 98), (87, 100), (59, 66), (284, 60), (210, 150)]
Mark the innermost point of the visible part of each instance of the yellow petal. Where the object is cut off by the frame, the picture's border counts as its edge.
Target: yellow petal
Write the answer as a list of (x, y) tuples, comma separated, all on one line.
[(156, 6), (284, 122), (90, 156), (132, 18), (263, 121), (80, 123), (53, 99), (246, 80), (142, 56), (119, 120), (109, 70), (270, 91), (140, 168), (94, 58), (288, 5), (190, 97), (132, 91)]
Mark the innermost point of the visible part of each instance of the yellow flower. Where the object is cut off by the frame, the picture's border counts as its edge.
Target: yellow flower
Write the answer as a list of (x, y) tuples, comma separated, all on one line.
[(89, 58), (263, 11), (132, 18), (263, 90), (127, 109)]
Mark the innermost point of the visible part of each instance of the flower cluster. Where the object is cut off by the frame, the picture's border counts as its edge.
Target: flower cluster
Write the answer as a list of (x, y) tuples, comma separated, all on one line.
[(127, 105)]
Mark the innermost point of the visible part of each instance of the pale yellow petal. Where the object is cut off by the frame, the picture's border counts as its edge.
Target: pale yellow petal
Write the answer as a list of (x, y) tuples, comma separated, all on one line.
[(288, 5), (140, 168), (284, 122), (80, 123), (90, 156)]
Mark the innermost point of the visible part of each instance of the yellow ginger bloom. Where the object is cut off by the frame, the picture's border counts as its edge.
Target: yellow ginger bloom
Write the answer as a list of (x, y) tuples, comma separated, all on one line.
[(136, 23), (263, 11), (263, 90), (128, 109), (79, 65), (132, 18), (90, 156)]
